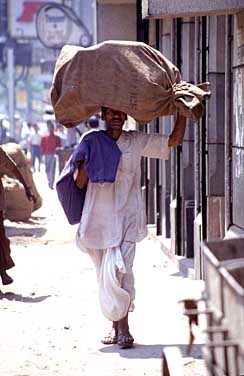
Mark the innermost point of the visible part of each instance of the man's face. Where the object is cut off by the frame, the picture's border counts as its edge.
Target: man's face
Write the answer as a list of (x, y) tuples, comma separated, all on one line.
[(114, 118)]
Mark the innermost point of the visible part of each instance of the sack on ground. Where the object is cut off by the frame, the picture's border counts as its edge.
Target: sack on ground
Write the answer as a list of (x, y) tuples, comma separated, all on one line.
[(18, 206)]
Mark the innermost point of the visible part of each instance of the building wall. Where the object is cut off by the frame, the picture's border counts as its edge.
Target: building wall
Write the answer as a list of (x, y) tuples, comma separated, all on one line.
[(116, 22), (209, 169), (86, 11)]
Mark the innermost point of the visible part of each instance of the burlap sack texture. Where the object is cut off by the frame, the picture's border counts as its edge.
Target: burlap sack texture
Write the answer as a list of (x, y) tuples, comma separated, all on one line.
[(125, 75), (18, 207)]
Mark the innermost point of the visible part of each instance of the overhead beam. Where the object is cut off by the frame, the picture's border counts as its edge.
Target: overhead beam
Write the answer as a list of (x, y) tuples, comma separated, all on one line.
[(189, 8)]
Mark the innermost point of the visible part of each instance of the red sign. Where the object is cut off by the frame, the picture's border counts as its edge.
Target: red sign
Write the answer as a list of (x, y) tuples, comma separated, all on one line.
[(29, 10)]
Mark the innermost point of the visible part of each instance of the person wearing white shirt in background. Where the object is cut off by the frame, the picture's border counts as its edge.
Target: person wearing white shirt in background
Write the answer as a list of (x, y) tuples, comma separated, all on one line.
[(25, 136), (35, 142)]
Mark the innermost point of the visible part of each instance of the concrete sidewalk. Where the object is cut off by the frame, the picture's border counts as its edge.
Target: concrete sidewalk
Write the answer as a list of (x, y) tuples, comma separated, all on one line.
[(51, 323)]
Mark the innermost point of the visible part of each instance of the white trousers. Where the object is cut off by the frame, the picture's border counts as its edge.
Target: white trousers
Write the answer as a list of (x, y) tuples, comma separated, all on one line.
[(114, 269)]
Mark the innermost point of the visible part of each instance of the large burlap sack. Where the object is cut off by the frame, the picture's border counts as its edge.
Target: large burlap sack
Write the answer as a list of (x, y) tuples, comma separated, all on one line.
[(129, 76), (18, 207)]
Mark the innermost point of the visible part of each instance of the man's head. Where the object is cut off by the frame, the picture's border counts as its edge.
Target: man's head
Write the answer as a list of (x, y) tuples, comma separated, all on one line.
[(114, 119), (50, 126), (35, 127)]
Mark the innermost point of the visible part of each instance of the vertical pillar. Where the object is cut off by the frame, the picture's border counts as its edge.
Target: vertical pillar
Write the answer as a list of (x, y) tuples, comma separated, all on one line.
[(215, 165), (187, 156), (165, 127), (228, 129), (237, 178), (11, 91), (197, 175), (94, 34)]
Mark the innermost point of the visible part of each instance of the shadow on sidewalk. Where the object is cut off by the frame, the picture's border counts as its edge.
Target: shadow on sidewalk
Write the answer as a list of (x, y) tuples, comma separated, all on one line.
[(177, 274), (21, 298), (139, 351), (25, 231)]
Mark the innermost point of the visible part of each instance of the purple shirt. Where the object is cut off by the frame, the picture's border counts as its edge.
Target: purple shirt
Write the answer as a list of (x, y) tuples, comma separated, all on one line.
[(101, 155)]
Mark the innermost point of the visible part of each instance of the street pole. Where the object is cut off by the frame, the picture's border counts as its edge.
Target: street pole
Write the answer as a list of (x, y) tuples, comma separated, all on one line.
[(94, 6), (11, 91)]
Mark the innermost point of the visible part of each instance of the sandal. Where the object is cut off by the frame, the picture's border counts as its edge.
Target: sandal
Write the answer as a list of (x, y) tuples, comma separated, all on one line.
[(110, 339), (125, 341)]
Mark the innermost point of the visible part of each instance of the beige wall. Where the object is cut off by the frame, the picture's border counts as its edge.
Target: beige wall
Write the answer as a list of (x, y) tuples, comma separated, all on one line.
[(116, 22)]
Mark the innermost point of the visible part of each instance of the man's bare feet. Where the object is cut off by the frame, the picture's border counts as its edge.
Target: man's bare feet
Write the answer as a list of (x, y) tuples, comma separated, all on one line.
[(119, 334), (125, 339), (112, 337)]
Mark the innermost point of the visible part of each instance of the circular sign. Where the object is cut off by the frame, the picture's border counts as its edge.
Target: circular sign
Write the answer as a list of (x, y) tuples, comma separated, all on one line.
[(85, 40), (53, 25)]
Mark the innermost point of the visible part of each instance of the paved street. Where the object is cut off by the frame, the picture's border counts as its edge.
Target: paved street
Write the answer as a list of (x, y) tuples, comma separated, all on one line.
[(51, 322)]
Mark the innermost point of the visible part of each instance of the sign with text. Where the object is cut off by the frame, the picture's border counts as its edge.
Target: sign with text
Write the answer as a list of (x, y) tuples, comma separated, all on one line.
[(22, 17), (53, 26), (58, 25)]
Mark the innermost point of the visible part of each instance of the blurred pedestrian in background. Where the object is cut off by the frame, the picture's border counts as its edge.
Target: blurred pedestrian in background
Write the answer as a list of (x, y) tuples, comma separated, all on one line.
[(62, 133), (92, 122), (72, 134), (35, 148), (25, 136), (49, 143), (3, 133), (6, 261)]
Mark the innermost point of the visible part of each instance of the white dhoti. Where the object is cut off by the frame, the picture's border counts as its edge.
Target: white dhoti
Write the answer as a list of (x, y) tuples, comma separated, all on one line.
[(115, 279)]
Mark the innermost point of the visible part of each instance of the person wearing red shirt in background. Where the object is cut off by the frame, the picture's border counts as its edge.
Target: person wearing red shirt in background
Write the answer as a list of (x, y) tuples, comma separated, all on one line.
[(49, 143)]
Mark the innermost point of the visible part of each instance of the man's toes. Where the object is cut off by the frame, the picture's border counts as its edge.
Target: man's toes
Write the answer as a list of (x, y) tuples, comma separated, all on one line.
[(110, 339)]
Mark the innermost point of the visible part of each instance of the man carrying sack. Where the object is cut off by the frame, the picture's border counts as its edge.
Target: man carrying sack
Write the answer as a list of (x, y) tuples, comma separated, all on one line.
[(133, 79)]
